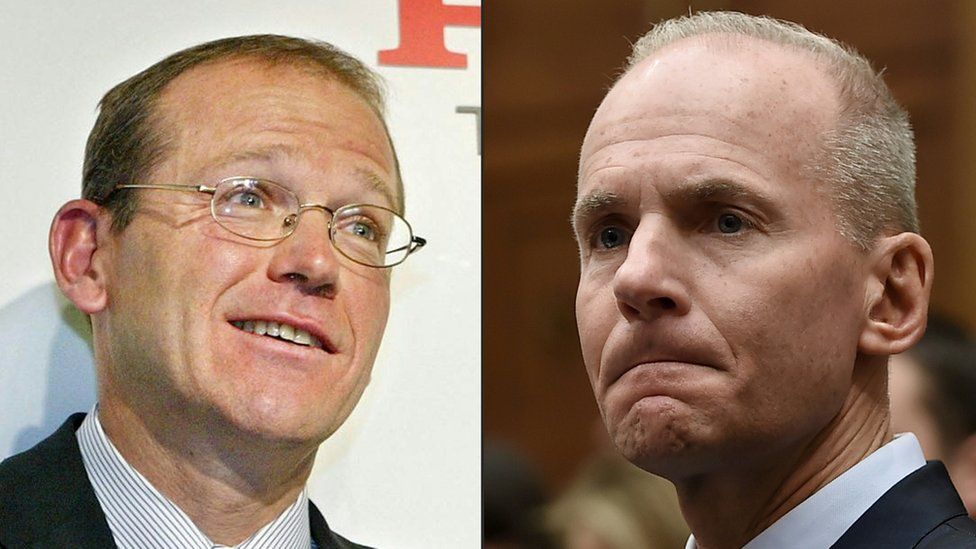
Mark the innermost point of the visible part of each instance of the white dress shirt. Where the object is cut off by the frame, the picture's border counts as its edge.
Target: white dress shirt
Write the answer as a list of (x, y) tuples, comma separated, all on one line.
[(141, 517), (824, 517)]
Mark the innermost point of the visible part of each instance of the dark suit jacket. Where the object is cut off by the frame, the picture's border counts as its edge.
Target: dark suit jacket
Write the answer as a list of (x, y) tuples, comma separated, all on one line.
[(46, 500), (923, 510)]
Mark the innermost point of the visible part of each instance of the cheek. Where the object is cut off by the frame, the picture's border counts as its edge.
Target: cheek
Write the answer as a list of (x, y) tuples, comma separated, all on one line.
[(218, 260), (595, 318), (795, 335), (810, 302), (587, 328), (174, 286), (368, 307), (149, 280), (204, 279)]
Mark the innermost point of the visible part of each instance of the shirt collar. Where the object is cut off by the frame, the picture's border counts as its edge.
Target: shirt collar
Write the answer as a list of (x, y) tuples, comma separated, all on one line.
[(141, 516), (822, 518)]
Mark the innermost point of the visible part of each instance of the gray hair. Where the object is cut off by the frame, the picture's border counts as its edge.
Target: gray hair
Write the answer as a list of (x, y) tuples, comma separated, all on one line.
[(868, 159)]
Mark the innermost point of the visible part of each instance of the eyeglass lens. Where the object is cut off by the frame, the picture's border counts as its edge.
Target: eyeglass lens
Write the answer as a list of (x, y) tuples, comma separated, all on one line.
[(262, 210)]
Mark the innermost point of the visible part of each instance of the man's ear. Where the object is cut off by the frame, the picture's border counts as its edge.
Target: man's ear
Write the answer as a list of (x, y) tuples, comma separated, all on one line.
[(901, 271), (73, 241)]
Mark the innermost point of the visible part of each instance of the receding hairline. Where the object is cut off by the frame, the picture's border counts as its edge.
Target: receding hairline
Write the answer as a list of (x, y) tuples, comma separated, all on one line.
[(732, 25), (721, 41), (867, 157), (724, 41), (163, 124), (824, 108)]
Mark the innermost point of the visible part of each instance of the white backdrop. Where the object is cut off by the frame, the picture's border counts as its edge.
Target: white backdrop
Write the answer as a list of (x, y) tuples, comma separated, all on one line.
[(405, 469)]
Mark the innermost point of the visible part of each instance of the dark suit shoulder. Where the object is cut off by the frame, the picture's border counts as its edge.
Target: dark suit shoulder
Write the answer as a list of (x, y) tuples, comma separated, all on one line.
[(922, 510), (324, 537), (46, 499), (958, 532), (24, 476)]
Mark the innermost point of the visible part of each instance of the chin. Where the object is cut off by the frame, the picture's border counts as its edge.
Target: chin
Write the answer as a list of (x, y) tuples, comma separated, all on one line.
[(284, 422), (672, 459), (656, 436)]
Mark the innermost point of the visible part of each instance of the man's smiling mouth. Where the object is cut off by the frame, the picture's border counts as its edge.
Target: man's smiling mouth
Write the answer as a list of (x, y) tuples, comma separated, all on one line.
[(281, 331)]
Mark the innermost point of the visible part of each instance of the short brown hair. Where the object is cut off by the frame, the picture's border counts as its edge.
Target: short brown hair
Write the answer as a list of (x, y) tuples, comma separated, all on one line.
[(127, 142)]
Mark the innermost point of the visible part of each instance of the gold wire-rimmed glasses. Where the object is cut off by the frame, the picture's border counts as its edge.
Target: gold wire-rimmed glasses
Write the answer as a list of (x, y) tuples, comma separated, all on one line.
[(262, 210)]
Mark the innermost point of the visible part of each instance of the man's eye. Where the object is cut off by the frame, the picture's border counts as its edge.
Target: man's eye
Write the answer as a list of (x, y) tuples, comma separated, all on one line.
[(363, 230), (729, 223), (361, 227), (612, 237), (247, 199)]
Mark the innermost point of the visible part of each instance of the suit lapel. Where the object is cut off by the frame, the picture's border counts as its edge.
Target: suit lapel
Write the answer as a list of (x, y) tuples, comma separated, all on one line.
[(51, 496), (907, 512), (323, 537), (46, 500)]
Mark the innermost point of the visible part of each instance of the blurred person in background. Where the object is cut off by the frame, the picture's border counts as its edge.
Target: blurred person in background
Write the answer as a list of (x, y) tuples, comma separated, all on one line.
[(514, 499), (933, 395), (614, 505)]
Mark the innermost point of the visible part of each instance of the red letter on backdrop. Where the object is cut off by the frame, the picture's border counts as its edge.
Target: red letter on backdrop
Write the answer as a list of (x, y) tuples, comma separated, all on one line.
[(422, 25)]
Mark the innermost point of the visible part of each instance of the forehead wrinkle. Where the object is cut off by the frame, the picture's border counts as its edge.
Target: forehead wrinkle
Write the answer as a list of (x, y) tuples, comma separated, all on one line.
[(279, 151), (648, 140), (268, 153)]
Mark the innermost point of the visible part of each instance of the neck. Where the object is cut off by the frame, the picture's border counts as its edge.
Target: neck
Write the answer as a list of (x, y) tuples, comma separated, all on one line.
[(726, 509), (228, 484)]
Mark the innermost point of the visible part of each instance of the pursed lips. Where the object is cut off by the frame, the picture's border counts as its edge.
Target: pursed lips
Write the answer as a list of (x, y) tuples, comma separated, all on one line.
[(615, 369)]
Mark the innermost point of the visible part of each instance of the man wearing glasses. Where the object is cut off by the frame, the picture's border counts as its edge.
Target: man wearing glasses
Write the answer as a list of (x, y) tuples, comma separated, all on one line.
[(242, 208)]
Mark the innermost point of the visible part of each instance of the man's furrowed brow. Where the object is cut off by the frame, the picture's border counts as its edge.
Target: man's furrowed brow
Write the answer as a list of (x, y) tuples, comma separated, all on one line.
[(714, 190), (591, 205)]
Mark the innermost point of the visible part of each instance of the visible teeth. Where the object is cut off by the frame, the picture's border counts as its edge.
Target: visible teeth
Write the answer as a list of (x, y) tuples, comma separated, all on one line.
[(282, 331)]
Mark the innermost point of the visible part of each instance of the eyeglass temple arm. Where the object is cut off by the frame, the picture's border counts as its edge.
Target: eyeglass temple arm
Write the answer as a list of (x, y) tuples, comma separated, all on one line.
[(415, 244), (195, 188)]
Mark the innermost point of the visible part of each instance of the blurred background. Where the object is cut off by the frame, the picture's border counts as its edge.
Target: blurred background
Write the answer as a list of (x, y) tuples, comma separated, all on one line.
[(548, 64)]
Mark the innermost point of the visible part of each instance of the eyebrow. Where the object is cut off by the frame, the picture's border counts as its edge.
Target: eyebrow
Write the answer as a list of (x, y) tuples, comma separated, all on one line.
[(710, 190), (590, 205), (270, 153), (376, 183), (707, 190)]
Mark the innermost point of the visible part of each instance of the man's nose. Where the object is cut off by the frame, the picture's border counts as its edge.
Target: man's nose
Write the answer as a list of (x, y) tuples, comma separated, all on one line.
[(651, 282), (307, 257)]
